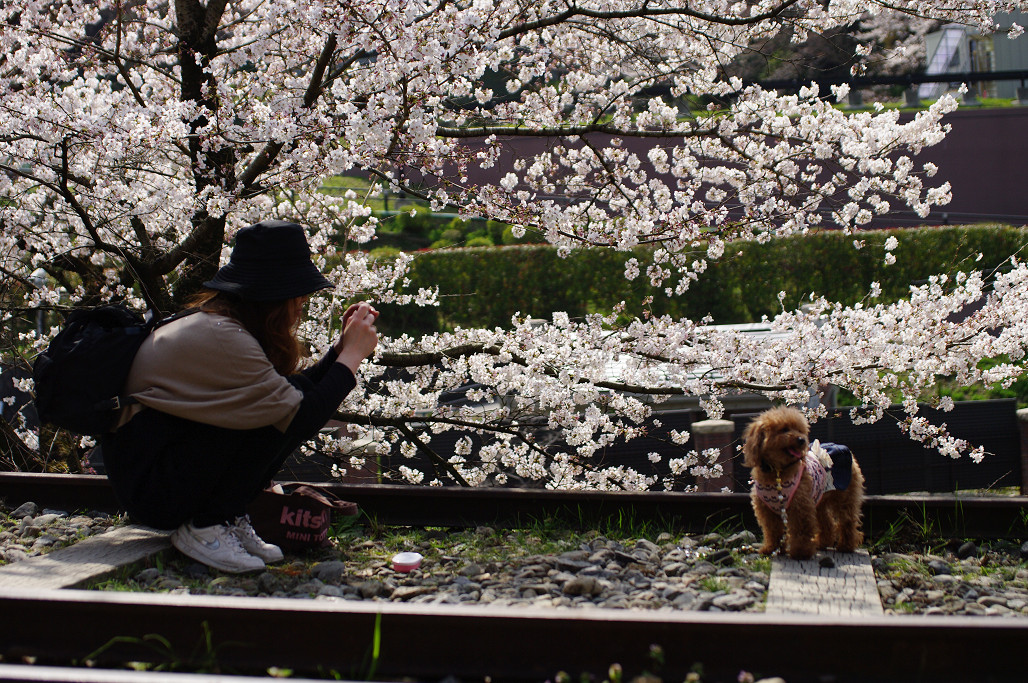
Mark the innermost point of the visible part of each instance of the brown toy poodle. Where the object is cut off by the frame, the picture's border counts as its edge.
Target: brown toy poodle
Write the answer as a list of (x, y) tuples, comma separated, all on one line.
[(812, 499)]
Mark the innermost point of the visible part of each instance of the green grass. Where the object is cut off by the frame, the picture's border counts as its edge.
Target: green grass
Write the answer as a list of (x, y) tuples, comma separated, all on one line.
[(713, 584), (886, 538), (338, 185), (902, 565), (484, 545), (366, 541), (905, 607), (344, 182), (164, 657), (754, 562), (910, 531)]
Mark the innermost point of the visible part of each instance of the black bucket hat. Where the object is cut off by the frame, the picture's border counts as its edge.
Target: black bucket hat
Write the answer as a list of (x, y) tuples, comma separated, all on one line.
[(270, 261)]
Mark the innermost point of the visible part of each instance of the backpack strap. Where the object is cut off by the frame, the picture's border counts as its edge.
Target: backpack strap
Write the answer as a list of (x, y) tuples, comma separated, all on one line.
[(173, 317), (122, 400)]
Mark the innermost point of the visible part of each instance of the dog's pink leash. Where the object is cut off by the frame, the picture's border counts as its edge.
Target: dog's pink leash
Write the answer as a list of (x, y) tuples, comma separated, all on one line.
[(781, 509)]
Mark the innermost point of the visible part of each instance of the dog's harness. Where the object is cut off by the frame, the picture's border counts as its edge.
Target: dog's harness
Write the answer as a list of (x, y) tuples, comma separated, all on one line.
[(779, 495), (830, 474)]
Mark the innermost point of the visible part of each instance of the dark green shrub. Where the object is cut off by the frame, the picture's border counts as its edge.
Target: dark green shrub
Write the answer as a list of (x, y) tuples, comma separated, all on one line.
[(458, 225), (418, 224), (529, 237), (495, 230), (384, 253), (484, 287)]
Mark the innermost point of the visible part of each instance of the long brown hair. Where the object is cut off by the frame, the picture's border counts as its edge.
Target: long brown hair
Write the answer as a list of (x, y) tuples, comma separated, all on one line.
[(272, 323)]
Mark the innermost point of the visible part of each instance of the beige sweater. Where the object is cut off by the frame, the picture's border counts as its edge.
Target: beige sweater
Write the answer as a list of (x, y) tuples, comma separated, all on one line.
[(208, 368)]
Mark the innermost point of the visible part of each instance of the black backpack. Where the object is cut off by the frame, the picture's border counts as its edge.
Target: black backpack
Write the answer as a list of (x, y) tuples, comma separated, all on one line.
[(79, 378)]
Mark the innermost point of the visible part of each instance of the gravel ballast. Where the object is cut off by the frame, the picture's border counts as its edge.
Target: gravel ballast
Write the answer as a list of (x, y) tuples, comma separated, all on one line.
[(504, 569), (28, 531), (961, 578), (547, 567)]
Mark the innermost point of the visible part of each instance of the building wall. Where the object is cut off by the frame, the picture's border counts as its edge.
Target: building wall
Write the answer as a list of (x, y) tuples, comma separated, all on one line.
[(985, 158), (1009, 54)]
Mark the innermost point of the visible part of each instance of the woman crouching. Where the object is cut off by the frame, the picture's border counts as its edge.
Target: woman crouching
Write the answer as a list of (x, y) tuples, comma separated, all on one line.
[(219, 405)]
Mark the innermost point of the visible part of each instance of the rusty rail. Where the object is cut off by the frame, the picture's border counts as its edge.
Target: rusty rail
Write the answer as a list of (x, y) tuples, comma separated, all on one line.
[(979, 517), (249, 635)]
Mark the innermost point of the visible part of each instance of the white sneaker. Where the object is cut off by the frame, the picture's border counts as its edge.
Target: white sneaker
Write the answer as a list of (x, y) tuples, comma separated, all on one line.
[(254, 544), (216, 546)]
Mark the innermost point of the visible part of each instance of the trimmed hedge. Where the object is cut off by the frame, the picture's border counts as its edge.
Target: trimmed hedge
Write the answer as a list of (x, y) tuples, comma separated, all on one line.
[(484, 287)]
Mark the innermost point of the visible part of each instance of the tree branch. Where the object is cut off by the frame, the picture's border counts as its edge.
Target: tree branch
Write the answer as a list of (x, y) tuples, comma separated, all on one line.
[(565, 131), (404, 360), (266, 157), (513, 429), (122, 69), (435, 457), (644, 12)]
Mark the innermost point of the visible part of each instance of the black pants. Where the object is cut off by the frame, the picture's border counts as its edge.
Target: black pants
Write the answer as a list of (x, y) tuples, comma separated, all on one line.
[(167, 470)]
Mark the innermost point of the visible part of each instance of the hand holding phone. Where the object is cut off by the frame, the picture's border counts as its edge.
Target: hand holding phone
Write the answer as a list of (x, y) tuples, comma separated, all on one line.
[(359, 336)]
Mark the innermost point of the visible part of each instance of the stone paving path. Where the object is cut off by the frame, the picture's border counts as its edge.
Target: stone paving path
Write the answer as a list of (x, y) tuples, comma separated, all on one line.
[(805, 587), (90, 558)]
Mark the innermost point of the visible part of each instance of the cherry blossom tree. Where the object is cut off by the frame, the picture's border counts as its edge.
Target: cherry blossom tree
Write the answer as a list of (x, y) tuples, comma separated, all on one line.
[(876, 44), (136, 137), (897, 40)]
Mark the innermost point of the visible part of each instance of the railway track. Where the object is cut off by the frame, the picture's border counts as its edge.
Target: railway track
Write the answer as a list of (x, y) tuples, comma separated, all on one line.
[(361, 640)]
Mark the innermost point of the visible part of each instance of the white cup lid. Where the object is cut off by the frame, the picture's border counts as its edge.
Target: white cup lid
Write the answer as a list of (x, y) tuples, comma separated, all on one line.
[(406, 558)]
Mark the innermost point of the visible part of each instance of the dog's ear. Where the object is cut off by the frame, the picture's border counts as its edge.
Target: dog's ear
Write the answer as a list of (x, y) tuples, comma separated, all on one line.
[(753, 438)]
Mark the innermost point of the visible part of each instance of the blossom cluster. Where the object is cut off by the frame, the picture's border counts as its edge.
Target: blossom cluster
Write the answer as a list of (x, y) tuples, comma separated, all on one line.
[(592, 384)]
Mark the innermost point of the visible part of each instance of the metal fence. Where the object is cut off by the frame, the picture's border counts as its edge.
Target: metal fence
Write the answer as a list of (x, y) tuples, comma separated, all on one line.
[(893, 463)]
